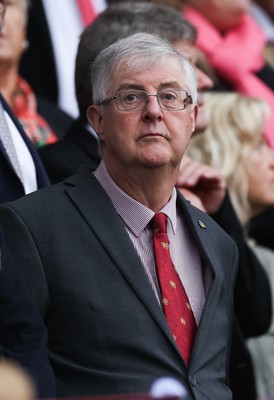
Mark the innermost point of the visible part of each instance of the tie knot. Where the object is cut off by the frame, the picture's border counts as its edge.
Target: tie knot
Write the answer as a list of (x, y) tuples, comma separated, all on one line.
[(159, 222)]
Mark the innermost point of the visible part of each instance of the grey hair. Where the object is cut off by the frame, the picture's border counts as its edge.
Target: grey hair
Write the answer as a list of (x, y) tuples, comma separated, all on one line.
[(117, 22), (137, 52)]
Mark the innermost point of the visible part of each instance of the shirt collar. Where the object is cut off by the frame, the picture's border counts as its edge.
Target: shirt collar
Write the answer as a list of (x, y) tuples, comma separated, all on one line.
[(134, 214)]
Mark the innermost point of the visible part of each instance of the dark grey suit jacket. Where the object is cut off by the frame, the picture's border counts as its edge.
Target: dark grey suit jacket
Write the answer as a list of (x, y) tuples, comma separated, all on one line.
[(107, 332)]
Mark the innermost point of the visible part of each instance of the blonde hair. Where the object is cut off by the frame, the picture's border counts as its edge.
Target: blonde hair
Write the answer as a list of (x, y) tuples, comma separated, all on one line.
[(236, 125)]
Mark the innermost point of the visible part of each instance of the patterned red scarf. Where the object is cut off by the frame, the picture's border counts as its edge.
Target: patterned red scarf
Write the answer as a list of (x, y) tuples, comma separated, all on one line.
[(24, 106)]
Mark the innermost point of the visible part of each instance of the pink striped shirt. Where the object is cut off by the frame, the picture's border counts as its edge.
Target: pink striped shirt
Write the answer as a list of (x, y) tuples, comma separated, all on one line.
[(185, 255)]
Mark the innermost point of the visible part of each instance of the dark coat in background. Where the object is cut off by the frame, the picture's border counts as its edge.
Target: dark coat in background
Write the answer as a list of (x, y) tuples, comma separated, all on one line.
[(23, 336)]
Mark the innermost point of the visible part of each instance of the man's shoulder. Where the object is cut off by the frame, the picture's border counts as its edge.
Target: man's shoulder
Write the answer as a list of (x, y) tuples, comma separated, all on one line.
[(56, 193)]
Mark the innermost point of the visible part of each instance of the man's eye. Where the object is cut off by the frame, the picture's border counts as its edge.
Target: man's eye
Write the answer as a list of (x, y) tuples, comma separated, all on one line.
[(169, 96), (131, 97)]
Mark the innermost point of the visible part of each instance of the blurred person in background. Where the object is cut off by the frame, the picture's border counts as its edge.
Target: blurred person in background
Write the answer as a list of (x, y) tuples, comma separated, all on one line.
[(53, 34), (234, 45), (21, 170), (17, 92), (234, 144), (263, 13)]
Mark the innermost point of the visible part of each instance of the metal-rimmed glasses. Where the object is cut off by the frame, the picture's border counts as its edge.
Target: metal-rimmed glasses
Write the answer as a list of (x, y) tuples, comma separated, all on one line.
[(134, 100)]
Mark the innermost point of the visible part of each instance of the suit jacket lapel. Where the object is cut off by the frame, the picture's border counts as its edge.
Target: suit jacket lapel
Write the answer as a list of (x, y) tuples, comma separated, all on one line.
[(205, 243), (108, 227)]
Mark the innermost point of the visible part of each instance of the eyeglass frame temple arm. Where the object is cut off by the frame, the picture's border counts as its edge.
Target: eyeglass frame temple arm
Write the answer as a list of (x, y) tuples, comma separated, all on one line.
[(106, 101)]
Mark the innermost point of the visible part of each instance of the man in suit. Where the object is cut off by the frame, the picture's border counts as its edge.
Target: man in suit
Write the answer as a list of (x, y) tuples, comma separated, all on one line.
[(80, 144), (23, 337), (53, 31), (33, 172), (85, 245), (27, 172)]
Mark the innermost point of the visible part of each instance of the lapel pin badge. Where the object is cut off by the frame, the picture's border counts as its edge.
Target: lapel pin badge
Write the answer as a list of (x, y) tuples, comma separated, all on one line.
[(201, 224)]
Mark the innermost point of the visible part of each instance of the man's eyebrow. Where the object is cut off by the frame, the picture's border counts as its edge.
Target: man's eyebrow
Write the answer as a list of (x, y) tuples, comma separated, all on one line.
[(128, 86), (172, 84)]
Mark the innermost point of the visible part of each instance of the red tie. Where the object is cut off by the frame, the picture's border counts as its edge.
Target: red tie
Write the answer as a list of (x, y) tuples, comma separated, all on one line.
[(87, 11), (176, 305)]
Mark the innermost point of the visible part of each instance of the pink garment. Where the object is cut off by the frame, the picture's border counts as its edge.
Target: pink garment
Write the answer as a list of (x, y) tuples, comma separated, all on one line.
[(87, 11), (236, 56)]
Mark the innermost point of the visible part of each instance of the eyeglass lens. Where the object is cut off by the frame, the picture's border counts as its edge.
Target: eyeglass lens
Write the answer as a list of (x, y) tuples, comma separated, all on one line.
[(169, 99)]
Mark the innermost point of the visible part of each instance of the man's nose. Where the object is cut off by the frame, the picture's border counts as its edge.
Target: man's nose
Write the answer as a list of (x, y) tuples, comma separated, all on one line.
[(152, 109)]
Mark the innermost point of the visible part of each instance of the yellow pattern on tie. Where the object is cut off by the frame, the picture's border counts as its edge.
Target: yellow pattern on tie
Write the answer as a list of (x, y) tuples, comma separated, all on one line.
[(176, 306)]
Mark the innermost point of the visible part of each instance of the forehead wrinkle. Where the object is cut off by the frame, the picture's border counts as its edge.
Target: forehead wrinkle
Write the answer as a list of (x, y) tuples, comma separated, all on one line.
[(134, 86)]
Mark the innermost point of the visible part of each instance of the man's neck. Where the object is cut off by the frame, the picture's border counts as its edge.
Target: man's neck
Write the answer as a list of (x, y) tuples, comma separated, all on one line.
[(151, 187)]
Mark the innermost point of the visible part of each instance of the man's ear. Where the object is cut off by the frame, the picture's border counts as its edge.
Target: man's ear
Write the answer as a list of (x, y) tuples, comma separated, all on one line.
[(195, 114), (95, 119)]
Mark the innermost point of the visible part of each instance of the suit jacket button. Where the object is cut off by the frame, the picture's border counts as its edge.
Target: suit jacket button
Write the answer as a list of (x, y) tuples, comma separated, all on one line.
[(192, 380)]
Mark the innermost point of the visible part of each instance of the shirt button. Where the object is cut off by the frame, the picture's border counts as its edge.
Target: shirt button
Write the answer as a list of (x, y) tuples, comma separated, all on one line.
[(192, 380)]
